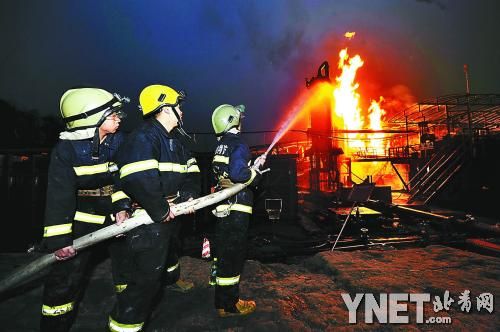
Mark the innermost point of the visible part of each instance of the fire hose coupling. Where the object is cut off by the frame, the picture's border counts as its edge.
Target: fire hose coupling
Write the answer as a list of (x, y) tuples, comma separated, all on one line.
[(260, 161), (258, 170), (224, 210), (222, 213)]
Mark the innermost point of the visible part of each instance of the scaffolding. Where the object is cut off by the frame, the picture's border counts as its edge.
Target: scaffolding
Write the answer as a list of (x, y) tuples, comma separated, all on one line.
[(469, 114)]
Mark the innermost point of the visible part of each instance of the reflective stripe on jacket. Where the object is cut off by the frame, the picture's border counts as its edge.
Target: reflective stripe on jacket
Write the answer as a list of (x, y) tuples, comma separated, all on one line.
[(154, 165), (231, 163), (71, 169)]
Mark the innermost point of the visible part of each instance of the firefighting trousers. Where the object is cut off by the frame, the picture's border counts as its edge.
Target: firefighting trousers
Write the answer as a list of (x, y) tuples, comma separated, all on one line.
[(231, 246), (66, 279), (148, 247), (64, 285), (173, 267)]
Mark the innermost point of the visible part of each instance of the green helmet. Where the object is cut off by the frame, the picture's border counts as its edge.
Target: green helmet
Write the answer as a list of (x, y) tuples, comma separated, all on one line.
[(226, 117), (87, 107)]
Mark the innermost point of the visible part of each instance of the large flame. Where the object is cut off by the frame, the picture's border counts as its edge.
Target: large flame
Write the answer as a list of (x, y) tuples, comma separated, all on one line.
[(346, 99), (352, 116), (375, 114), (348, 113)]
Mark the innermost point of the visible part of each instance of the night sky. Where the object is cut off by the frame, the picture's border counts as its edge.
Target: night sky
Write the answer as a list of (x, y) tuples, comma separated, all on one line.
[(257, 53)]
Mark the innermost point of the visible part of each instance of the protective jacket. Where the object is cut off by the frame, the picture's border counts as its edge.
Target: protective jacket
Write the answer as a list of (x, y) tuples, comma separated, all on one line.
[(72, 172), (231, 165), (157, 166)]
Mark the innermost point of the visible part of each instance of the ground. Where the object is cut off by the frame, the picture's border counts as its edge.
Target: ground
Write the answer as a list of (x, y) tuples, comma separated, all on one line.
[(303, 296)]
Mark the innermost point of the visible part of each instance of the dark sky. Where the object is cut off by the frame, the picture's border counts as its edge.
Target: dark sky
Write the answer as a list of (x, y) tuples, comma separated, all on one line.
[(241, 51)]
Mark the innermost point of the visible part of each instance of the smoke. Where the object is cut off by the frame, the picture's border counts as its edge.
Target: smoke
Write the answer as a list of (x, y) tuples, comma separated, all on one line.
[(398, 98), (438, 3), (275, 47), (216, 20), (276, 33)]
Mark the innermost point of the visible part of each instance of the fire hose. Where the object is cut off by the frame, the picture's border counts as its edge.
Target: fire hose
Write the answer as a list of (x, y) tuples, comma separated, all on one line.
[(105, 233), (139, 218)]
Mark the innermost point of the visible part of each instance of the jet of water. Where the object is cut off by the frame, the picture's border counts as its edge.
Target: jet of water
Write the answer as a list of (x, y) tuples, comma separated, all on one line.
[(293, 115)]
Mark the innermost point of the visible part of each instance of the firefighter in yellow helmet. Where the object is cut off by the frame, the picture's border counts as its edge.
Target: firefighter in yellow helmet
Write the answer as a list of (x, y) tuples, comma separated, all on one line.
[(231, 165), (155, 167), (149, 104), (82, 196)]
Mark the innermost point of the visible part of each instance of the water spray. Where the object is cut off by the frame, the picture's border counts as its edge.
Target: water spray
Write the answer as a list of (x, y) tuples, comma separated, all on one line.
[(322, 76), (285, 126)]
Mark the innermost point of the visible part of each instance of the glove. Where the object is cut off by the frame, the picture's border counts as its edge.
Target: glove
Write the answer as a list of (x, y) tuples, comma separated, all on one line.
[(260, 161)]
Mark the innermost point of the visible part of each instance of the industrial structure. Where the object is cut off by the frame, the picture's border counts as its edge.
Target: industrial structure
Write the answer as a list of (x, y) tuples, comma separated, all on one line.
[(438, 151), (431, 141)]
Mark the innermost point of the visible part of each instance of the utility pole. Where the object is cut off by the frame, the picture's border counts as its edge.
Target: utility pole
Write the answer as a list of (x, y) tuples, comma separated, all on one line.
[(466, 71), (469, 115)]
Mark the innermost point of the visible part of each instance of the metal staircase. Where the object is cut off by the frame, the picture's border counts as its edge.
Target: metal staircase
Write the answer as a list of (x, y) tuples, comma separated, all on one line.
[(436, 173)]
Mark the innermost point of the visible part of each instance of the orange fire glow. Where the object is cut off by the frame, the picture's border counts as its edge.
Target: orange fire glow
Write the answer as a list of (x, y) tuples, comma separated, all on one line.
[(346, 100), (375, 114), (351, 114), (348, 113)]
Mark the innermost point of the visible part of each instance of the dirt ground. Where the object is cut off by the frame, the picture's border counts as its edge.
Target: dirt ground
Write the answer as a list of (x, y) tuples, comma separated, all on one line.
[(304, 296)]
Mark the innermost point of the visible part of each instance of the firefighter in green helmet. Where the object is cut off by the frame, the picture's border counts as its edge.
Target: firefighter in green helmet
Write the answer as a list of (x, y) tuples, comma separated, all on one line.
[(82, 196), (231, 165)]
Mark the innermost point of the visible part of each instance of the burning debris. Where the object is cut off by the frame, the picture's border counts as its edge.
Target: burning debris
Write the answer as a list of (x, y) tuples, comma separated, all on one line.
[(349, 35)]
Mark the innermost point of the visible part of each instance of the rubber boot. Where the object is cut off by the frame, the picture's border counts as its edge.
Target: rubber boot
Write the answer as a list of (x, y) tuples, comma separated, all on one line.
[(241, 308)]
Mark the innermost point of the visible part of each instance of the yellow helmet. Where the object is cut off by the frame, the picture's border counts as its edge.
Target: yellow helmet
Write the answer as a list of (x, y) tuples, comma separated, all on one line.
[(87, 107), (154, 97)]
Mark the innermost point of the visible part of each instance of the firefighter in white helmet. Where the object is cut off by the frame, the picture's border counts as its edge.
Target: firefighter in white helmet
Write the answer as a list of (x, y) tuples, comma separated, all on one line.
[(82, 197)]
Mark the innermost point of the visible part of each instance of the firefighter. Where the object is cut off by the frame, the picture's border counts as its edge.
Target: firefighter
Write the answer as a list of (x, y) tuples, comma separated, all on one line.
[(154, 168), (81, 197), (171, 278), (231, 165)]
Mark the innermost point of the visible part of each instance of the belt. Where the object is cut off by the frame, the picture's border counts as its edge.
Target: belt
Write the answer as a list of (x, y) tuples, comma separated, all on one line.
[(170, 199), (104, 191)]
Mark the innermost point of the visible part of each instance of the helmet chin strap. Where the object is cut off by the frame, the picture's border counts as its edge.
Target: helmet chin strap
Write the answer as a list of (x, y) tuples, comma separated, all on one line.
[(180, 124), (95, 144), (96, 139), (234, 130), (183, 132)]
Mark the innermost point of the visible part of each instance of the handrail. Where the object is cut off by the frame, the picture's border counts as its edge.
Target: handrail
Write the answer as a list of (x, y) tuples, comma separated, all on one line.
[(443, 183), (452, 163), (440, 157), (439, 177), (438, 167)]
